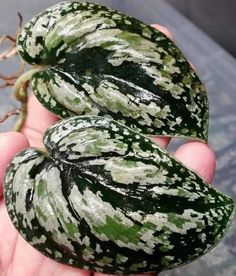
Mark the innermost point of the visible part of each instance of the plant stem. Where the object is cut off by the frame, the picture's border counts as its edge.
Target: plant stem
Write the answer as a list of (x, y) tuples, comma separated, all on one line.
[(20, 90), (19, 86), (21, 118), (9, 114)]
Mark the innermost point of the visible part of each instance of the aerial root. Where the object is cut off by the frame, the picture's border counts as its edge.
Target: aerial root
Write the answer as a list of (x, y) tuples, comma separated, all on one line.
[(9, 114), (10, 80)]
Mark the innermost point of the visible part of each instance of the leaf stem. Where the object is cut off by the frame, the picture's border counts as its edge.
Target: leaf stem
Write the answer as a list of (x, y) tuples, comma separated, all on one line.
[(19, 87), (20, 91)]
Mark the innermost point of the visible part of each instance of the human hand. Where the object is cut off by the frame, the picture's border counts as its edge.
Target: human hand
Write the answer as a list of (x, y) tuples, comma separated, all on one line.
[(17, 257)]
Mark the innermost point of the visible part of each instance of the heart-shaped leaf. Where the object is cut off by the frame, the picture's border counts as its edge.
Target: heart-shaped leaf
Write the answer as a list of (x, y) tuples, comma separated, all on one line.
[(101, 62), (104, 197), (108, 199)]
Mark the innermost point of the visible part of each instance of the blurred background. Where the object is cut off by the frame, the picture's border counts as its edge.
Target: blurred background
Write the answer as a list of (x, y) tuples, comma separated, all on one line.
[(205, 32), (217, 18)]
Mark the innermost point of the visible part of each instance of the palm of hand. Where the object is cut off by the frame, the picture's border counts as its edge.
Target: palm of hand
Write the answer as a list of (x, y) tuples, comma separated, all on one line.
[(17, 257)]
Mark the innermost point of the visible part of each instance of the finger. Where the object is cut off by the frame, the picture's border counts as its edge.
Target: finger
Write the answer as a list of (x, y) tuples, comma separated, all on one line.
[(193, 67), (161, 141), (164, 30), (36, 263), (199, 157), (37, 121), (10, 144)]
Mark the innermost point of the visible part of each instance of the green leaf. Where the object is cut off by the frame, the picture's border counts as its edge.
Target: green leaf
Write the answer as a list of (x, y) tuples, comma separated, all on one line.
[(101, 62), (103, 196), (107, 198)]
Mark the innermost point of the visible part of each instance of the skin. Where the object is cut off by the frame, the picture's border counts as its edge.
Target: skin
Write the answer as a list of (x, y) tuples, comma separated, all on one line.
[(17, 257)]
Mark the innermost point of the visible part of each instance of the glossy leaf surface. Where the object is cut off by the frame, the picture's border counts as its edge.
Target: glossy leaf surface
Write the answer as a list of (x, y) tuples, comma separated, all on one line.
[(101, 62), (108, 199)]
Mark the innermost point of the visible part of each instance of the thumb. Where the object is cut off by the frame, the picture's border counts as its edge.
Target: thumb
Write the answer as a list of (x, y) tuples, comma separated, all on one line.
[(10, 144)]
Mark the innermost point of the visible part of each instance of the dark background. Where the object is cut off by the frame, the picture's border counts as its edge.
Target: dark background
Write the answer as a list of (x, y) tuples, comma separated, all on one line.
[(215, 17)]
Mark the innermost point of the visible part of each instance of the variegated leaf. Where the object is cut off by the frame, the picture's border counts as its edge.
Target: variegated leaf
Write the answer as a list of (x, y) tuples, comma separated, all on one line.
[(108, 199), (101, 62)]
